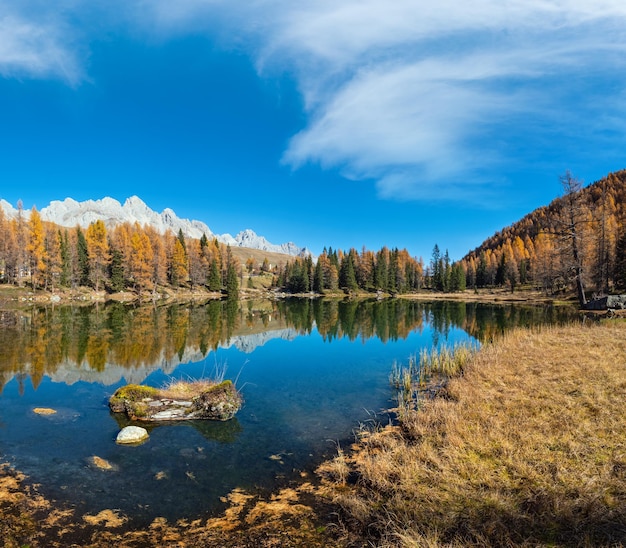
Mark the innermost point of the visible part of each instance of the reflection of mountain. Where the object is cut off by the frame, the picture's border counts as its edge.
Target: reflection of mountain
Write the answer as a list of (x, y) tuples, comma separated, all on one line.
[(69, 372), (249, 343)]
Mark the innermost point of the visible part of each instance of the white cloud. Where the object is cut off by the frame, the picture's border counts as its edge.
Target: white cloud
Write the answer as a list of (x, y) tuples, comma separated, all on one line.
[(29, 48), (421, 97)]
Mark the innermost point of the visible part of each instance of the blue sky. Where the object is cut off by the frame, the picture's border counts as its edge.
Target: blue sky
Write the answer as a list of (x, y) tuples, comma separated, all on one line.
[(344, 124)]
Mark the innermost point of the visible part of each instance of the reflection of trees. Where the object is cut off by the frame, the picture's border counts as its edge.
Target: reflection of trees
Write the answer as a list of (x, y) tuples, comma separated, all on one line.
[(38, 340)]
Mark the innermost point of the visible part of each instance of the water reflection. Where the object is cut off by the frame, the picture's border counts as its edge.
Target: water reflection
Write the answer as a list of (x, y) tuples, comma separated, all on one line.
[(105, 343), (309, 370)]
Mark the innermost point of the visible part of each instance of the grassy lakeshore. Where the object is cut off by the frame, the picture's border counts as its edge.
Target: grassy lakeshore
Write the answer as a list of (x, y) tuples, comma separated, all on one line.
[(526, 448)]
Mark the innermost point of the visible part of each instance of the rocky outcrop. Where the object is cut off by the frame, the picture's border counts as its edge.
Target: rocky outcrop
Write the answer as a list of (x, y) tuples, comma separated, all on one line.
[(610, 302), (184, 401)]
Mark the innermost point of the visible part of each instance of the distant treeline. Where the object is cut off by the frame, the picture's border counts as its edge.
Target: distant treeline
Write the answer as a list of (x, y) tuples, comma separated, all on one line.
[(392, 271), (138, 258)]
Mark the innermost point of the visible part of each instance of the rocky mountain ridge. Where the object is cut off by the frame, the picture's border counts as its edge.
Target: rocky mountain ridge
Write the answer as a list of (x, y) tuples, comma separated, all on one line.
[(70, 213)]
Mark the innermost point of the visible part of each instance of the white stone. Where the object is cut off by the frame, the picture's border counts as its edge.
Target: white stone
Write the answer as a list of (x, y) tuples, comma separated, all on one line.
[(132, 434)]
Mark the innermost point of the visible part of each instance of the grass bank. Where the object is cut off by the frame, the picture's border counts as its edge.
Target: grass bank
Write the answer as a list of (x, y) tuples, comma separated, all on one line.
[(526, 448)]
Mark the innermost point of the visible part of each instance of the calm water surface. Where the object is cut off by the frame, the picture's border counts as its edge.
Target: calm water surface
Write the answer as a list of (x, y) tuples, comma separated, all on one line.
[(310, 372)]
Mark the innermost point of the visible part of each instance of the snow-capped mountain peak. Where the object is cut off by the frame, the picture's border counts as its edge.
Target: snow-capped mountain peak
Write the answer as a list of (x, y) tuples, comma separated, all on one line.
[(70, 213)]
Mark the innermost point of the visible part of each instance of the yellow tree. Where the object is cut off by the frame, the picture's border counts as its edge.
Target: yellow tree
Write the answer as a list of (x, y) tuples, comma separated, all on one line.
[(141, 262), (159, 256), (97, 251), (53, 259), (179, 268), (35, 248), (545, 266), (8, 248)]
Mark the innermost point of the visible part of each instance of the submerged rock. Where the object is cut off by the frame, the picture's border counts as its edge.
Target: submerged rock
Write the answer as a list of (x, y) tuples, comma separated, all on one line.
[(132, 434), (44, 411), (183, 401), (100, 463)]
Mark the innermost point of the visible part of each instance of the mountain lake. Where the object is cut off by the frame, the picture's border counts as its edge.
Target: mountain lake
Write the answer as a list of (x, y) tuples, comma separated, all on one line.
[(311, 372)]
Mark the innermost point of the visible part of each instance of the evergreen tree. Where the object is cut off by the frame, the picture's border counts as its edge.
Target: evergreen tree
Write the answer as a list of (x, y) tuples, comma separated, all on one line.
[(446, 272), (232, 280), (82, 256), (381, 271), (481, 271), (436, 269), (318, 278), (204, 244), (457, 278), (392, 278), (347, 277), (214, 281), (620, 260), (116, 271), (502, 271), (66, 259)]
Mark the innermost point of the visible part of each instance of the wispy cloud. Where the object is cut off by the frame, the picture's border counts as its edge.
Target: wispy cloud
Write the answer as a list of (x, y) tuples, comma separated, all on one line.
[(420, 98), (33, 47)]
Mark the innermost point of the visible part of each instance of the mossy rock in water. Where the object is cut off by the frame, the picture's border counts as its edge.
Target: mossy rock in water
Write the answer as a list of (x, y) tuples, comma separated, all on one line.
[(130, 394), (220, 402), (180, 401)]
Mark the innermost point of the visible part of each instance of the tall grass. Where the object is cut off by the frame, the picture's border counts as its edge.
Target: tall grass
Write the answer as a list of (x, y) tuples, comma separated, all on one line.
[(427, 374), (528, 448)]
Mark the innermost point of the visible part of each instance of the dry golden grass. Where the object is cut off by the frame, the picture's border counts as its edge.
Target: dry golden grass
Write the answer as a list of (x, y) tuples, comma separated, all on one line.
[(186, 390), (528, 448)]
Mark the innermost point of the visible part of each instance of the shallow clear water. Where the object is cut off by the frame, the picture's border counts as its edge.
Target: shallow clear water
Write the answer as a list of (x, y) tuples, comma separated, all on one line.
[(310, 373)]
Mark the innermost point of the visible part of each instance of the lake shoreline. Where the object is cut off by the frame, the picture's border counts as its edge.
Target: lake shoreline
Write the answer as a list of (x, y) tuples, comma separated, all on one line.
[(83, 295)]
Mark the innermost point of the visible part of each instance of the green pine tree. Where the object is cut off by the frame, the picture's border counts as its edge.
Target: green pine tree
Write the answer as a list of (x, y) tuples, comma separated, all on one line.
[(116, 271), (214, 281), (82, 255), (66, 261)]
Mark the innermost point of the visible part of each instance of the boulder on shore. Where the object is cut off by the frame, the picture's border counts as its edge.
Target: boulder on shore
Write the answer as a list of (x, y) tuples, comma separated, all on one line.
[(180, 401)]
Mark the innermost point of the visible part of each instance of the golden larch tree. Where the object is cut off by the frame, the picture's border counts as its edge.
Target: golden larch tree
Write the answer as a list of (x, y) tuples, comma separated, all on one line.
[(98, 252), (179, 267), (53, 259), (141, 262), (35, 248)]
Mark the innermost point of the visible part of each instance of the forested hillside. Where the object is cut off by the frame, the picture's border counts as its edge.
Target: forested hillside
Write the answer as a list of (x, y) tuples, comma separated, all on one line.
[(580, 236)]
